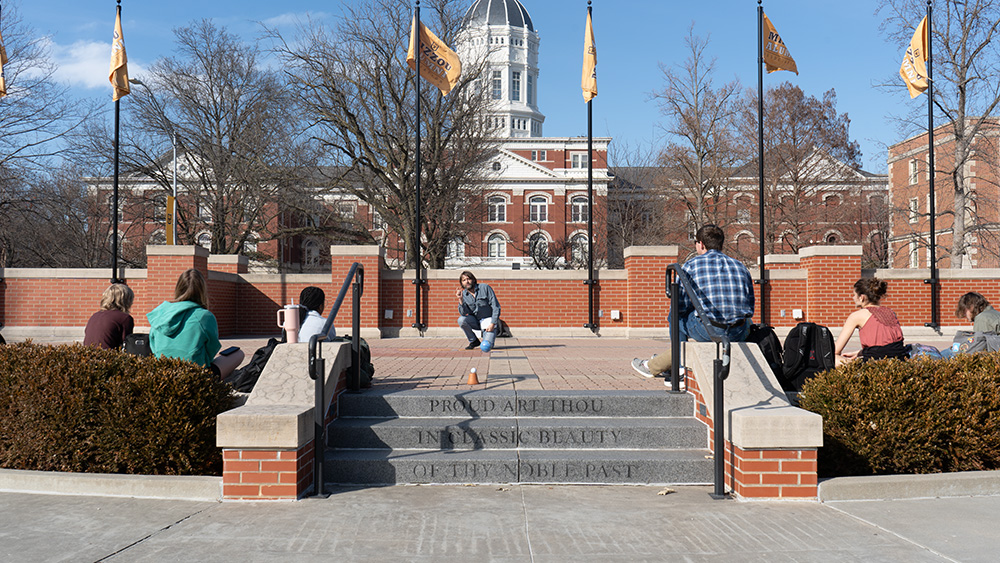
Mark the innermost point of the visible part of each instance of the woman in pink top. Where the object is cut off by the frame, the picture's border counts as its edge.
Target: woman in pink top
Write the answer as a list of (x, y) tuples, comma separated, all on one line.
[(878, 327)]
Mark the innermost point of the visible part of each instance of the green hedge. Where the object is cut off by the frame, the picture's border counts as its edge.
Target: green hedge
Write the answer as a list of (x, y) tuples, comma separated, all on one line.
[(77, 408), (914, 416)]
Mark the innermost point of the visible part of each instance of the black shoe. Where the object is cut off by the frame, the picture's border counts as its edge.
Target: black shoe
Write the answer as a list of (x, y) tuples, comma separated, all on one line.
[(473, 345)]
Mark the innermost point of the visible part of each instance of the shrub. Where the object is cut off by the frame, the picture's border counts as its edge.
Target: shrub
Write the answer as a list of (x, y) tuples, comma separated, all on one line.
[(78, 408), (915, 416)]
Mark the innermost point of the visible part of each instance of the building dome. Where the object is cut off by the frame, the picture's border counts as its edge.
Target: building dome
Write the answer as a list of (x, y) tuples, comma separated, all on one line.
[(497, 12)]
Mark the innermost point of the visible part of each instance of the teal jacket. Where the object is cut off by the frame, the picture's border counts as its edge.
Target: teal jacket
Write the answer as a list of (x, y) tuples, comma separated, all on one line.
[(184, 330)]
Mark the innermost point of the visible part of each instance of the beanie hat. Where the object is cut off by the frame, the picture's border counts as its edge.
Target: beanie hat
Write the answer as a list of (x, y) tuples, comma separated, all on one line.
[(312, 298)]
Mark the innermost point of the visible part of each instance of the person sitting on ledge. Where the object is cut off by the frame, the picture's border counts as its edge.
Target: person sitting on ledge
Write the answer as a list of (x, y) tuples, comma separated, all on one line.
[(312, 301), (974, 308), (725, 289), (878, 328), (479, 310), (108, 327)]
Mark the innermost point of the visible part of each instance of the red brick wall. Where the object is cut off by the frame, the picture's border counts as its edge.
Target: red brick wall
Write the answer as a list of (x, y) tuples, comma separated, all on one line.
[(246, 304)]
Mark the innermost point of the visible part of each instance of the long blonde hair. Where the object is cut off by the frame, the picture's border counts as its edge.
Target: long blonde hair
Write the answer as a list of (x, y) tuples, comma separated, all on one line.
[(117, 296), (191, 286)]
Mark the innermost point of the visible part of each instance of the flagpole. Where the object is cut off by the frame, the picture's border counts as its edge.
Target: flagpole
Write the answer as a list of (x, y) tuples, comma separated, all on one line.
[(760, 157), (590, 207), (933, 281), (114, 210), (418, 280)]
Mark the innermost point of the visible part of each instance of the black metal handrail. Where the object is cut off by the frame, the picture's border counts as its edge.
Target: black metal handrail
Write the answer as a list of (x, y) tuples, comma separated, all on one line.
[(675, 278), (317, 365)]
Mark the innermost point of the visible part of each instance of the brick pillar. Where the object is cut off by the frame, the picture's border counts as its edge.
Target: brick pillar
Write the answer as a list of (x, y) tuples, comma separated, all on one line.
[(646, 267), (229, 263), (372, 258), (164, 264), (831, 272)]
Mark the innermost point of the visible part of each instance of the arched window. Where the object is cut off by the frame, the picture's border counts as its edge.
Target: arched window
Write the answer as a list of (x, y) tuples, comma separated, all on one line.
[(497, 246), (832, 238), (538, 246), (538, 209), (310, 253), (204, 240), (580, 210), (456, 248), (158, 238), (579, 248), (497, 209)]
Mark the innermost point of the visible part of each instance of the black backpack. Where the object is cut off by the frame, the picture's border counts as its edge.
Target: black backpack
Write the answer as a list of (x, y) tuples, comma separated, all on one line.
[(367, 367), (765, 338), (808, 351), (137, 344), (244, 378)]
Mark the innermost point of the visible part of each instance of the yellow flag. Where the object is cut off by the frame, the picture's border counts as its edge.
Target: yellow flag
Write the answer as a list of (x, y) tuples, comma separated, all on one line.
[(914, 67), (776, 55), (119, 62), (3, 61), (438, 63), (588, 81)]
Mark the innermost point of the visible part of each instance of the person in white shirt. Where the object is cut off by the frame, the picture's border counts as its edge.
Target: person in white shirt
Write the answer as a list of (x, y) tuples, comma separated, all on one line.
[(311, 300)]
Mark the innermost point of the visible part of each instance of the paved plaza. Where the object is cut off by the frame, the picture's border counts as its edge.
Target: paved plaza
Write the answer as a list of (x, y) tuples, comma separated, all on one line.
[(501, 523)]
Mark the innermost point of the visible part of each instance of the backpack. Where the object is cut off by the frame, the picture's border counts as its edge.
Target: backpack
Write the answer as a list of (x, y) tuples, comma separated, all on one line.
[(137, 344), (244, 378), (808, 351), (765, 339), (367, 367), (918, 350), (971, 342), (504, 331)]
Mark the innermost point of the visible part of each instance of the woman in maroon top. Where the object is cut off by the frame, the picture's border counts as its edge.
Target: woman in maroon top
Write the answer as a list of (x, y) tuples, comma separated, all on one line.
[(108, 327), (878, 328)]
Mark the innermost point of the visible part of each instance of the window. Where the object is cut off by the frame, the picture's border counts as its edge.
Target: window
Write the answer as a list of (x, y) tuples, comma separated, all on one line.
[(579, 247), (832, 239), (160, 208), (250, 245), (579, 211), (529, 93), (831, 201), (515, 89), (158, 238), (497, 166), (538, 246), (121, 206), (538, 156), (378, 223), (914, 255), (497, 85), (204, 240), (346, 210), (914, 209), (497, 209), (310, 254), (578, 160), (456, 248), (914, 171), (497, 246), (743, 216), (538, 209), (460, 212), (204, 211)]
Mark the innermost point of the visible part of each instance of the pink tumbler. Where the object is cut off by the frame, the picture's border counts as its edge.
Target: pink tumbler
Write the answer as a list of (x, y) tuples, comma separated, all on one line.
[(288, 319)]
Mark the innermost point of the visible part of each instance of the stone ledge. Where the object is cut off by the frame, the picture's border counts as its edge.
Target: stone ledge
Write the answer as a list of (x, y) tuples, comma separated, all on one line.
[(889, 487), (760, 416), (279, 427), (173, 487)]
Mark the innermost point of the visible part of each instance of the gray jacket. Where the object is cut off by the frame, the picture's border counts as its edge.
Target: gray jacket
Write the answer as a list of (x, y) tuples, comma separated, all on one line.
[(481, 303), (987, 321)]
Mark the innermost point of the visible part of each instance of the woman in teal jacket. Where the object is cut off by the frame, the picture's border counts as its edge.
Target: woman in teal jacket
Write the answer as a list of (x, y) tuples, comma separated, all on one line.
[(184, 328)]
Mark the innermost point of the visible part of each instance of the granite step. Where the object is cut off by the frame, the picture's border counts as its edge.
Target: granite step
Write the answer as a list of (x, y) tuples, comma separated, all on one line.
[(387, 467), (489, 403), (506, 433)]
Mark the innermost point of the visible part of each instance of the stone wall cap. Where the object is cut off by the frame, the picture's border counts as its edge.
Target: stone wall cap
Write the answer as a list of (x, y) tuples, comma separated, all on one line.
[(228, 259), (359, 250), (831, 250), (176, 250), (669, 250)]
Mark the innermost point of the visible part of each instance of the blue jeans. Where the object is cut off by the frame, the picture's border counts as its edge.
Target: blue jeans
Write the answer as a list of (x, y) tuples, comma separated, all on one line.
[(690, 327), (468, 323)]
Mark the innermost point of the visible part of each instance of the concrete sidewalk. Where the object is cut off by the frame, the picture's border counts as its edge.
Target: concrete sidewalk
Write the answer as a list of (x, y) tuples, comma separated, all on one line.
[(498, 523)]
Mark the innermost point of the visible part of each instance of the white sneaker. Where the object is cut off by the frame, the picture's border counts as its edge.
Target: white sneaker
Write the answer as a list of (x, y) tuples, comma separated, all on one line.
[(642, 367)]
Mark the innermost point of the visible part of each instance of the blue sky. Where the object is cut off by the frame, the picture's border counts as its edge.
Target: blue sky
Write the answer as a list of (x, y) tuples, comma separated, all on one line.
[(835, 44)]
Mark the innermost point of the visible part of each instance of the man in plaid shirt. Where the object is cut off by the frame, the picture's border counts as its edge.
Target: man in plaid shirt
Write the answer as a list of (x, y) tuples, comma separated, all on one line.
[(725, 290)]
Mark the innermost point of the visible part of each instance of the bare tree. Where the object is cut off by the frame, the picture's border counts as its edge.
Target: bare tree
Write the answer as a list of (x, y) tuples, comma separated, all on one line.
[(357, 88), (241, 146), (637, 206), (700, 116), (966, 92), (807, 153)]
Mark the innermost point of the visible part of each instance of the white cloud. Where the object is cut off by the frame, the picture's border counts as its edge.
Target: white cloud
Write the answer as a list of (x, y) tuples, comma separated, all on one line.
[(292, 19), (86, 63)]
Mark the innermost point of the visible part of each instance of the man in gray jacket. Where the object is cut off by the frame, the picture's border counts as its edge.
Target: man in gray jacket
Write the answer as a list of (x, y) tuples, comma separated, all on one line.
[(479, 310)]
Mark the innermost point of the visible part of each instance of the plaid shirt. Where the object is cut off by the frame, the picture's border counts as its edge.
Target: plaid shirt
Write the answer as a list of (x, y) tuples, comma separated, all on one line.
[(723, 286)]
